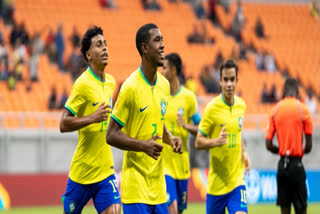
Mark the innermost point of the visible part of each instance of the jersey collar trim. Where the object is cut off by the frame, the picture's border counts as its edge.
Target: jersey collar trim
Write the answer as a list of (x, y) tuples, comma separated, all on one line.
[(225, 101), (178, 92), (94, 75), (145, 79)]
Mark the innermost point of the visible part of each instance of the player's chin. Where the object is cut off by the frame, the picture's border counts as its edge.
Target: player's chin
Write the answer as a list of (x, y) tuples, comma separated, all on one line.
[(105, 62), (160, 63)]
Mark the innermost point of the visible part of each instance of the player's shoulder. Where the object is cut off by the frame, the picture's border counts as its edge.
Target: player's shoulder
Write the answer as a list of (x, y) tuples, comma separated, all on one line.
[(239, 101), (162, 81), (187, 92), (82, 80), (109, 79), (216, 102)]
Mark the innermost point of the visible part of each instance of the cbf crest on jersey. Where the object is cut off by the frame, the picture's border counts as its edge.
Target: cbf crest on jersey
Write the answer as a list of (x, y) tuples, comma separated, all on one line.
[(110, 99), (240, 122), (163, 105)]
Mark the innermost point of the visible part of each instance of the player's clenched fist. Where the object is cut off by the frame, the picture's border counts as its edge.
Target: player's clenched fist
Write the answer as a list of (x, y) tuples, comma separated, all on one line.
[(101, 114), (176, 144), (152, 148)]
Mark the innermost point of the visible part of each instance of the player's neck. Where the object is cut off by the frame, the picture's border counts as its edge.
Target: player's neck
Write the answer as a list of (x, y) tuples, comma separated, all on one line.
[(149, 71), (99, 71), (174, 86), (228, 100)]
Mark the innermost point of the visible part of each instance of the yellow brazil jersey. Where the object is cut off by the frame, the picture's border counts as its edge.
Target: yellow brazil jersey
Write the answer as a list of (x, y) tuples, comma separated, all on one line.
[(140, 110), (183, 102), (226, 169), (92, 161)]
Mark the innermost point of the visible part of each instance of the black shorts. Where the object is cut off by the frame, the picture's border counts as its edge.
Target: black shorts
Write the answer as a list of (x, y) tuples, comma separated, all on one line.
[(291, 183)]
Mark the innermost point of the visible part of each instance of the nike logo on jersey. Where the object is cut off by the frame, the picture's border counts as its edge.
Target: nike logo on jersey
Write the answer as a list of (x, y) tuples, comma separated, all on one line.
[(142, 109), (221, 125), (116, 197), (94, 104)]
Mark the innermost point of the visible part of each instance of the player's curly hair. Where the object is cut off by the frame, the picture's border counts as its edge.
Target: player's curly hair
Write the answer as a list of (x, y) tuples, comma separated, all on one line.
[(143, 35), (86, 40), (174, 60)]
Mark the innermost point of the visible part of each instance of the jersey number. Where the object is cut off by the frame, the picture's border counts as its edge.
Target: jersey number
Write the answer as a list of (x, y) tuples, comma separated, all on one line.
[(243, 196), (155, 128), (172, 128), (103, 124), (113, 184), (232, 141)]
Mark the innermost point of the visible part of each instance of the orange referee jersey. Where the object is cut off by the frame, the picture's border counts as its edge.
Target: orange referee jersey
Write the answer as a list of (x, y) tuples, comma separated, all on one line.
[(289, 118)]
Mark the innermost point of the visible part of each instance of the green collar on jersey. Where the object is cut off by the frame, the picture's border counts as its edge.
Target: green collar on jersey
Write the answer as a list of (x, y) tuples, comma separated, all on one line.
[(178, 92), (145, 79), (94, 75), (225, 101)]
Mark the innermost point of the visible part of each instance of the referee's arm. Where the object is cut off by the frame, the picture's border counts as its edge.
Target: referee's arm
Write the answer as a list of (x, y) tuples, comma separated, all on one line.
[(270, 134), (307, 129), (308, 145)]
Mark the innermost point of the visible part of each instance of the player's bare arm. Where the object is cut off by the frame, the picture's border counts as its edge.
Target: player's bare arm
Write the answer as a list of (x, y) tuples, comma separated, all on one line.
[(308, 145), (169, 139), (271, 147), (191, 128), (116, 138), (70, 123), (245, 158), (202, 142)]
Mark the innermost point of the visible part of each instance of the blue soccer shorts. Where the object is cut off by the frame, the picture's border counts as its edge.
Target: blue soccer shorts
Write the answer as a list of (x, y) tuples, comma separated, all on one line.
[(234, 201), (139, 208), (177, 190), (103, 194)]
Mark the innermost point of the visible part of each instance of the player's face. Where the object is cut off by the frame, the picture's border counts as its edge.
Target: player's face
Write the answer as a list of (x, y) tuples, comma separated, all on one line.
[(98, 51), (228, 82), (156, 47), (166, 70)]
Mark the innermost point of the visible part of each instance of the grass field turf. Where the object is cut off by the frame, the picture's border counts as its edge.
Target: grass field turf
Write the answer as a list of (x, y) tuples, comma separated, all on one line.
[(193, 208)]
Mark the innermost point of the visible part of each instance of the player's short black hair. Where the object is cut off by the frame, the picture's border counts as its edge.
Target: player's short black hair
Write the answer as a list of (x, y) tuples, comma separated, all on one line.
[(229, 63), (291, 86), (174, 60), (86, 40), (143, 35)]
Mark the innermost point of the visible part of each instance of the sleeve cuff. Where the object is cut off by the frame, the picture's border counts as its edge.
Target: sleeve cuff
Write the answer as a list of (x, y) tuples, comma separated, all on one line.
[(70, 110), (117, 120), (202, 132)]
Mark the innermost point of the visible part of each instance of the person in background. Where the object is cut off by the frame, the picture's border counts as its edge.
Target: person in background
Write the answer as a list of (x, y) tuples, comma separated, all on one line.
[(290, 118)]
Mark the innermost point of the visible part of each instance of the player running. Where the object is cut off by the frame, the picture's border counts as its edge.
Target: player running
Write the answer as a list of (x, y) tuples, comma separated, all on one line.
[(220, 132), (181, 118), (137, 126), (87, 110)]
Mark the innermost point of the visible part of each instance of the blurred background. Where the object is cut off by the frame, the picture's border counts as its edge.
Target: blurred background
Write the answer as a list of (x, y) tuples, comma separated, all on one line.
[(40, 59)]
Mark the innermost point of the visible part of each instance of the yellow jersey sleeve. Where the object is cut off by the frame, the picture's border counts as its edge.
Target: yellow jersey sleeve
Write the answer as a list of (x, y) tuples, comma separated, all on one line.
[(77, 97), (193, 109), (207, 123), (122, 107)]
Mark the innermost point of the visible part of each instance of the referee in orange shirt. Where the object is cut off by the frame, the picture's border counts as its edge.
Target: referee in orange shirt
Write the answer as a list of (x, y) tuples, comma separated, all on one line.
[(289, 119)]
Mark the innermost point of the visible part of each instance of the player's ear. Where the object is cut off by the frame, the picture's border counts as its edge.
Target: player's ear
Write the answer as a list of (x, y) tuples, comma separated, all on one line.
[(88, 55), (144, 47)]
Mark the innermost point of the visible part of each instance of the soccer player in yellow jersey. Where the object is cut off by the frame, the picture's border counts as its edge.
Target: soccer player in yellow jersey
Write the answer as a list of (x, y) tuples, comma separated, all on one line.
[(220, 132), (181, 118), (87, 110), (137, 125)]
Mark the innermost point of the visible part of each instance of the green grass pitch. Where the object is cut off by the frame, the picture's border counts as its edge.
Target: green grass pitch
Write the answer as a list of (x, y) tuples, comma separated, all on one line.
[(193, 208)]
